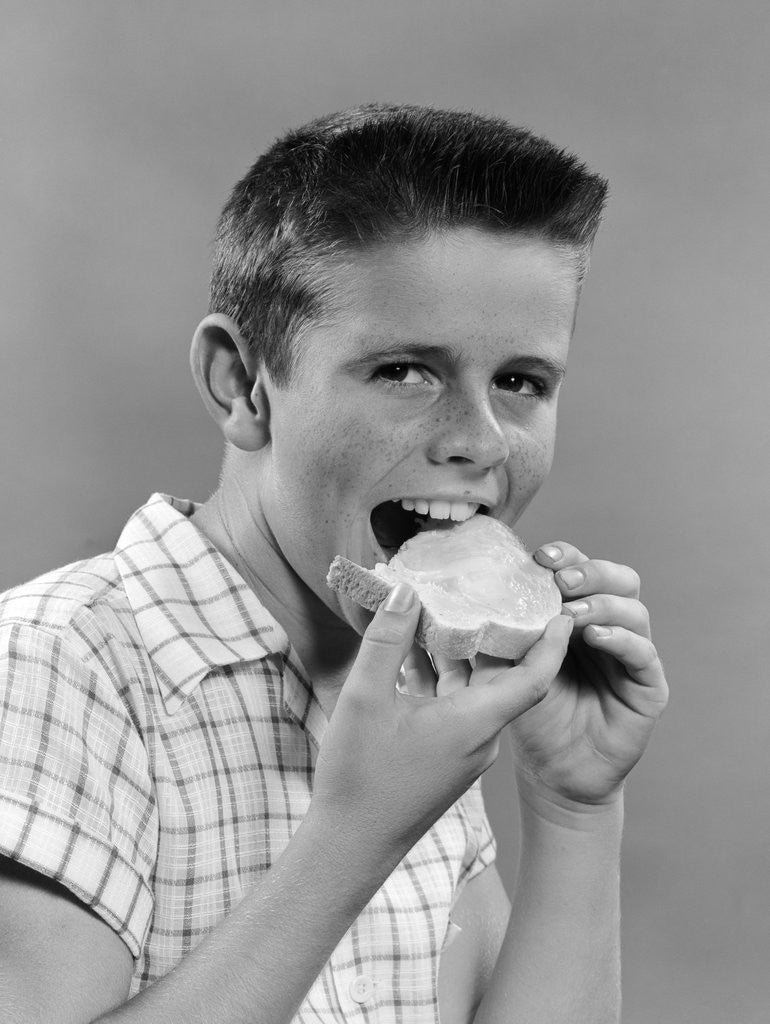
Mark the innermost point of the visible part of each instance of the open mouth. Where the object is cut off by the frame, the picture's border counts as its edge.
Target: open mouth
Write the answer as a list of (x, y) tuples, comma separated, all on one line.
[(395, 522)]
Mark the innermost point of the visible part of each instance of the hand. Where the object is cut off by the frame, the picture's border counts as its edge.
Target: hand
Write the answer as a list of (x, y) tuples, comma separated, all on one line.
[(580, 742), (392, 762), (575, 747)]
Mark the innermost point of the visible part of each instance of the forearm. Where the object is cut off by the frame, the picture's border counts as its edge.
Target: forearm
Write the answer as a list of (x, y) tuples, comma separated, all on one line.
[(261, 961), (560, 960)]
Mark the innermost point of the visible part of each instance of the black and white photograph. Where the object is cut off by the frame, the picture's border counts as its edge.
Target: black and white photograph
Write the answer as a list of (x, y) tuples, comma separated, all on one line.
[(384, 545)]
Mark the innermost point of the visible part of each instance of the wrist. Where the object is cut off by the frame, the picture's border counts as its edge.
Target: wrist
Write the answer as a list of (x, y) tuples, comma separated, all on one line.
[(538, 801)]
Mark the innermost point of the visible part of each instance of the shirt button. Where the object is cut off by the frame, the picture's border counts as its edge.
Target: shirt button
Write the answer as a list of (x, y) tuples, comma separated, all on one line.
[(361, 988)]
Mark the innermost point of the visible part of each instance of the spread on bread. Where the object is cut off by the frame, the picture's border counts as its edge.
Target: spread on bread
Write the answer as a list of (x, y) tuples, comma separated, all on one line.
[(480, 589)]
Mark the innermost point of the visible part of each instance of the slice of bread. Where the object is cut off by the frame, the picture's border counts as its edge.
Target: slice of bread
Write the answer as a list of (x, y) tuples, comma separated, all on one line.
[(481, 590)]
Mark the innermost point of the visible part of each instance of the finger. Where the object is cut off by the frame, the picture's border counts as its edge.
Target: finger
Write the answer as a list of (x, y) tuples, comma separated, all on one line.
[(487, 668), (444, 663), (453, 679), (511, 691), (384, 647), (559, 554), (635, 653), (595, 576), (608, 610), (453, 675), (576, 574), (419, 675)]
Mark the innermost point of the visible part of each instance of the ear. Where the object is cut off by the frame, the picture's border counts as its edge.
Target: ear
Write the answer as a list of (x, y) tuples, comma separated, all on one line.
[(231, 382)]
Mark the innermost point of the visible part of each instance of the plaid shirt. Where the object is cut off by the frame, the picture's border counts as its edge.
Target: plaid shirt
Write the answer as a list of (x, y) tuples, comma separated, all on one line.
[(157, 744)]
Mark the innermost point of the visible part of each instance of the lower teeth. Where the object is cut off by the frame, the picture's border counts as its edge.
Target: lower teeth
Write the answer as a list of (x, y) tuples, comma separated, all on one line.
[(426, 522)]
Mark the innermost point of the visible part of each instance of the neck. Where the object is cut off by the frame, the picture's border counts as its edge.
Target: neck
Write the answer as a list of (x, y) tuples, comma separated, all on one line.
[(325, 645)]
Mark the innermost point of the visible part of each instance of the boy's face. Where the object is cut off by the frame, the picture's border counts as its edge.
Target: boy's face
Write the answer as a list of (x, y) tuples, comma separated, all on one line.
[(438, 378)]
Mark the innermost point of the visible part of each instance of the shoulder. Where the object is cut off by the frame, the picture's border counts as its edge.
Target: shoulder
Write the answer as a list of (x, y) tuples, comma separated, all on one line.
[(71, 662), (78, 613), (56, 599)]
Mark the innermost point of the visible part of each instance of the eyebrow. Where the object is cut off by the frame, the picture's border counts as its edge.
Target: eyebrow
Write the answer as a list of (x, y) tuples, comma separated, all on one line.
[(553, 368)]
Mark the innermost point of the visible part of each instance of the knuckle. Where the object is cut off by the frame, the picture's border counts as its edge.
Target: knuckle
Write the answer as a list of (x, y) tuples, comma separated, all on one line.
[(539, 687), (620, 580), (646, 656), (641, 615), (634, 581), (382, 635)]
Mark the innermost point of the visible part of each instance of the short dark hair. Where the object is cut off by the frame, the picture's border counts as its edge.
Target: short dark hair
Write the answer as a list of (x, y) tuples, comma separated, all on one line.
[(379, 173)]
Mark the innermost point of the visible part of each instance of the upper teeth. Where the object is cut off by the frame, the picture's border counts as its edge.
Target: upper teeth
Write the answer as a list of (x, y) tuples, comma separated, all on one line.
[(457, 510)]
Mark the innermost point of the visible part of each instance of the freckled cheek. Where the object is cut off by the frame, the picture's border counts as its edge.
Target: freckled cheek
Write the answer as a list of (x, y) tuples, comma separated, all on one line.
[(349, 457), (529, 465)]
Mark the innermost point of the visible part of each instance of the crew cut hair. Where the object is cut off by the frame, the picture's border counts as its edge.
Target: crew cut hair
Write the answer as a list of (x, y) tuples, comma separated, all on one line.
[(382, 173)]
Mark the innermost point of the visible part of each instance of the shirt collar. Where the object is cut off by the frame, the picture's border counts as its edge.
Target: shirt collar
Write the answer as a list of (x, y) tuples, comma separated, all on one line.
[(192, 608)]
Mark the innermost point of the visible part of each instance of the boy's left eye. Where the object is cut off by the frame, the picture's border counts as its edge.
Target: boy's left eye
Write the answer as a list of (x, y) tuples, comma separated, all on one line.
[(518, 384)]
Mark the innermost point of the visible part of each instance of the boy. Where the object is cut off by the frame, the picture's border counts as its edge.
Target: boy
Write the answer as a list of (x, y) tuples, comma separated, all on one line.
[(218, 805)]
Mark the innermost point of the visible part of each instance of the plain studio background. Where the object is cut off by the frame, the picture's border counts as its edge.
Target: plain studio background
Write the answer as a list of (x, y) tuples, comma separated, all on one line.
[(123, 128)]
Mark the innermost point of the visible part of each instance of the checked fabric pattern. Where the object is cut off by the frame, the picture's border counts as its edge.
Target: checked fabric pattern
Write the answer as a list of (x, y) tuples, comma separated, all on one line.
[(157, 744)]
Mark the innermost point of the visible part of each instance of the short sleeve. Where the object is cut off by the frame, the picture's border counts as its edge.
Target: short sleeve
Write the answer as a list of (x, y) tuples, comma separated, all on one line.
[(76, 798), (486, 849)]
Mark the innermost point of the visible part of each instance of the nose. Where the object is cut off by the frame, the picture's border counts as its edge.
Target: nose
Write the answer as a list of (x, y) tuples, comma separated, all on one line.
[(468, 431)]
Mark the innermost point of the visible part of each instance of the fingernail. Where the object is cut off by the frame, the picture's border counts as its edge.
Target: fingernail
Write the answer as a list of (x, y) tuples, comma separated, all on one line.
[(576, 608), (551, 552), (571, 578), (400, 599), (601, 632)]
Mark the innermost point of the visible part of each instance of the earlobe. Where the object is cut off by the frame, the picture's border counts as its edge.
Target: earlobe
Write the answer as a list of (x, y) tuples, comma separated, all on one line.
[(228, 378)]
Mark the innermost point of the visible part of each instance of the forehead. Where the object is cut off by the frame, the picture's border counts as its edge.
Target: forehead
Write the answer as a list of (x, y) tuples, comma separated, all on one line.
[(459, 286)]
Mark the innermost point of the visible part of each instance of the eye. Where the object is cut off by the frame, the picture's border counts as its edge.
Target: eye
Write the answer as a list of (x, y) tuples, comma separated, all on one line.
[(401, 373), (518, 384)]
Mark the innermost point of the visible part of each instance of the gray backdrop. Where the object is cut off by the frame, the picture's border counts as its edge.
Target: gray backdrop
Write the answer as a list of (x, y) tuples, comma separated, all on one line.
[(123, 127)]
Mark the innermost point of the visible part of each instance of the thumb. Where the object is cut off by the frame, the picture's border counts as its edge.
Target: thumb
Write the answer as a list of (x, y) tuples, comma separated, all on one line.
[(385, 646), (509, 692)]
